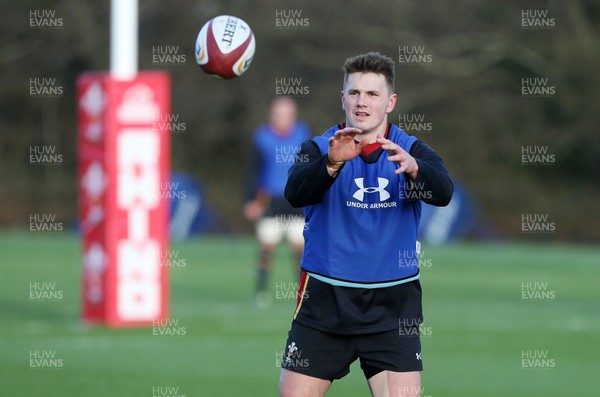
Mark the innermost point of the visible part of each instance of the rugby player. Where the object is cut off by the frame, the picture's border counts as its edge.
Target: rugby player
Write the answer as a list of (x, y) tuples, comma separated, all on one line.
[(275, 148), (361, 185)]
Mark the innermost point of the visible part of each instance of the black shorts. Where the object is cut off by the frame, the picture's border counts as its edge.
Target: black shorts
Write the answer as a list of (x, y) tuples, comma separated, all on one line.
[(280, 206), (328, 356), (357, 311)]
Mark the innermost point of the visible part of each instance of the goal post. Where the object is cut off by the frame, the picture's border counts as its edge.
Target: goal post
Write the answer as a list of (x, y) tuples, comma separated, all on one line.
[(123, 161)]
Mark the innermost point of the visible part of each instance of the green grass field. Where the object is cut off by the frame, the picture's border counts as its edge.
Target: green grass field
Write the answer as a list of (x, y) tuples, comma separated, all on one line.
[(477, 324)]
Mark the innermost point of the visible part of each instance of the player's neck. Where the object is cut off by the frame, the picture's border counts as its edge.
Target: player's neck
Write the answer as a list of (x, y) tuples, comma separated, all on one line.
[(282, 131)]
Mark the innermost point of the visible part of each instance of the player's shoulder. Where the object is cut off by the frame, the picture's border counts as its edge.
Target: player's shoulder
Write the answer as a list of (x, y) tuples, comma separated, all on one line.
[(301, 128), (263, 135), (301, 132), (332, 130), (323, 140), (261, 131), (396, 132), (399, 136)]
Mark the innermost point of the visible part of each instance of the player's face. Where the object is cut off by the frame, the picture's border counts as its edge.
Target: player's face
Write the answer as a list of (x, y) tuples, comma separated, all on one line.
[(367, 99), (283, 115)]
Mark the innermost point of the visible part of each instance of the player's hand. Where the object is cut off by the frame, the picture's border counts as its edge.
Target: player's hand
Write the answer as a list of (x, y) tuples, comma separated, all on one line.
[(406, 162), (343, 147), (254, 210)]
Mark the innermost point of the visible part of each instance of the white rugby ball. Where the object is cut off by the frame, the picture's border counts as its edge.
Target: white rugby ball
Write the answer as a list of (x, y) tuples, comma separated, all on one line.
[(225, 47)]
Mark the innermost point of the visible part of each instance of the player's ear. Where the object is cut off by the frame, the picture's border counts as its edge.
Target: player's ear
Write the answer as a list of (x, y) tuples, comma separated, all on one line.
[(391, 103), (342, 98)]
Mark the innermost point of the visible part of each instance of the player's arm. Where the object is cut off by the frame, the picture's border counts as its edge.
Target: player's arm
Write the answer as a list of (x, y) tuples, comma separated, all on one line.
[(314, 173), (432, 176), (424, 167), (308, 178), (253, 170), (255, 200)]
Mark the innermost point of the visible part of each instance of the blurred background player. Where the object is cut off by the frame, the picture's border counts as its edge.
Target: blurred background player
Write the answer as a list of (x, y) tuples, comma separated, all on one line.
[(275, 148)]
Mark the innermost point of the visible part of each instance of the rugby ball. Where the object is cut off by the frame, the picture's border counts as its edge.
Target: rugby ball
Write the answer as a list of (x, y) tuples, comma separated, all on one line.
[(225, 47)]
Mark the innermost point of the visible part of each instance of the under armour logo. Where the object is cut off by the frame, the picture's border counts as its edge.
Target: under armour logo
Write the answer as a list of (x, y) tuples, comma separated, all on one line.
[(418, 356), (360, 193)]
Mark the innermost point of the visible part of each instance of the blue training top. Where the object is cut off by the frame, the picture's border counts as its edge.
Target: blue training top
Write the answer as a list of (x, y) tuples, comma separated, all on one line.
[(363, 233), (278, 153)]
